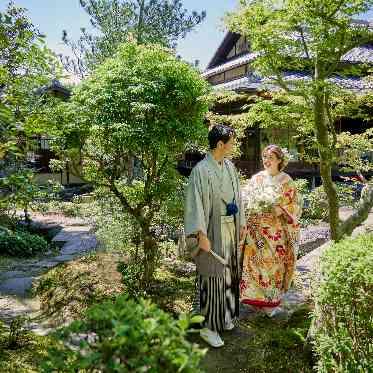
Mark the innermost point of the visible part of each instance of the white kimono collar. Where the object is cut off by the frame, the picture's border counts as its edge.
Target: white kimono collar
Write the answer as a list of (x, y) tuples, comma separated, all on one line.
[(214, 162)]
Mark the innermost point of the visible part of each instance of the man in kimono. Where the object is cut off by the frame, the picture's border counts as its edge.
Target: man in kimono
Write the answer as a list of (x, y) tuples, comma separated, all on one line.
[(214, 219)]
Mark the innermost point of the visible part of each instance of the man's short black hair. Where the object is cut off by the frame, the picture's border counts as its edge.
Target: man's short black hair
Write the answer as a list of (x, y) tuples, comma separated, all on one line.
[(220, 132)]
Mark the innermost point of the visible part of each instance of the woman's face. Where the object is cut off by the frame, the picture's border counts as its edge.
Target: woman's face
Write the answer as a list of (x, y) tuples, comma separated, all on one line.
[(271, 162)]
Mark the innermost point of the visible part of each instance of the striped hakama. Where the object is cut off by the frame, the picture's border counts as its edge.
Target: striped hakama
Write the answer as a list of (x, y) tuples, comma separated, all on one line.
[(218, 296)]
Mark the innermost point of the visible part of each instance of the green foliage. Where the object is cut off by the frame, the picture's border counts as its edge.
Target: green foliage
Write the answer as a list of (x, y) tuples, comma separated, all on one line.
[(311, 37), (26, 65), (28, 355), (21, 243), (116, 22), (131, 272), (302, 186), (19, 190), (115, 229), (264, 345), (125, 336), (317, 201), (344, 307), (355, 150), (133, 117), (8, 132), (294, 29), (317, 204), (18, 333)]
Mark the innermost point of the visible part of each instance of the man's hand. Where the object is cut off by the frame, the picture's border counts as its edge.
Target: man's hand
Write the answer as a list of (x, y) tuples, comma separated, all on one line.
[(203, 242), (243, 232)]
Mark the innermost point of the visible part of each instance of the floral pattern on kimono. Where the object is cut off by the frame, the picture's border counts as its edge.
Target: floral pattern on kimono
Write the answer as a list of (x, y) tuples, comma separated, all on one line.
[(270, 247)]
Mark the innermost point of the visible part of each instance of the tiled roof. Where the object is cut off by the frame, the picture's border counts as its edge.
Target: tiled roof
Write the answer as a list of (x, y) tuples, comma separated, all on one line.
[(242, 60), (55, 85), (254, 82), (363, 54), (246, 83)]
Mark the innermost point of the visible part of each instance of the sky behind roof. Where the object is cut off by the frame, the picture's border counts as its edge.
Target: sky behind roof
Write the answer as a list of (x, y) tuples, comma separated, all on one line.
[(54, 16)]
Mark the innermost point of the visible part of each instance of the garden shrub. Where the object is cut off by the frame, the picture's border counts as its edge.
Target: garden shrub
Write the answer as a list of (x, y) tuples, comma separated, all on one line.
[(317, 202), (125, 336), (131, 272), (19, 334), (343, 315), (21, 243), (302, 186), (68, 290)]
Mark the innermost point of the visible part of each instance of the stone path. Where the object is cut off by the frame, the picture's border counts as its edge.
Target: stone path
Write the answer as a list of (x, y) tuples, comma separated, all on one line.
[(75, 239)]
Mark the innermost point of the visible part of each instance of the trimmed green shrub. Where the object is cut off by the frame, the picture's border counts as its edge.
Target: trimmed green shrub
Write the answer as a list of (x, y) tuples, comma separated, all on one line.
[(21, 243), (125, 336), (302, 186), (343, 315), (317, 201)]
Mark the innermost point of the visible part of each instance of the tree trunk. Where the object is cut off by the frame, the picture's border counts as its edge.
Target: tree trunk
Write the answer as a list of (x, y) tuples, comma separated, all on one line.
[(150, 256), (326, 162), (140, 24)]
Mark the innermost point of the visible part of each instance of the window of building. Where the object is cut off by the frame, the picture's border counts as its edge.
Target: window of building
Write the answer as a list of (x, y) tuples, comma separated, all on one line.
[(237, 72), (216, 79), (44, 143)]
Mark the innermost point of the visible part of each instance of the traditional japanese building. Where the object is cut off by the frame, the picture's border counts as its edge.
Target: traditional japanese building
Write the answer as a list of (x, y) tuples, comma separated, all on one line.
[(39, 150), (231, 69)]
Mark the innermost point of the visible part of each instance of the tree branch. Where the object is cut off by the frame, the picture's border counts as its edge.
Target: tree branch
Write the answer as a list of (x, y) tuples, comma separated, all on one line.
[(332, 14), (123, 200), (304, 43), (161, 168)]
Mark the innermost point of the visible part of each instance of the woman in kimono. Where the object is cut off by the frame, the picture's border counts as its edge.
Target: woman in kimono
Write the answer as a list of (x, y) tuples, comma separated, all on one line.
[(270, 247)]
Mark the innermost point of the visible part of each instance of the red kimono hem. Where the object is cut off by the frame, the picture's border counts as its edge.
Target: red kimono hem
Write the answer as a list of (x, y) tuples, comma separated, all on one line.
[(260, 303)]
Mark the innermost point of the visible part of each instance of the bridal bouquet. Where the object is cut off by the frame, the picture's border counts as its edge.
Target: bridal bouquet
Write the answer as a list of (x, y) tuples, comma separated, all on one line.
[(261, 198)]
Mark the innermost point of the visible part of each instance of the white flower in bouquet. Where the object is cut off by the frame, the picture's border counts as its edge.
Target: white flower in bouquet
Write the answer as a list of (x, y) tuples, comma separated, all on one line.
[(261, 198)]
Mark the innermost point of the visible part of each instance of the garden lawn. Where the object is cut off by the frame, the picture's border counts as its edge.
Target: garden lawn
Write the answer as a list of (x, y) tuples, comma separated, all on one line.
[(259, 344), (25, 358)]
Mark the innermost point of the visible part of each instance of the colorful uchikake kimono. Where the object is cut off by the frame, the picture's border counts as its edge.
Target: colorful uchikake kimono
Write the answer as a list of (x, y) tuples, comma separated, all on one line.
[(270, 247), (211, 188)]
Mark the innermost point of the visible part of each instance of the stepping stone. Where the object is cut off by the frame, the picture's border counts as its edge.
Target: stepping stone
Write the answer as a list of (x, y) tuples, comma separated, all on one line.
[(16, 286), (63, 258), (79, 245), (75, 239), (48, 263), (293, 298), (71, 232), (12, 274), (11, 307)]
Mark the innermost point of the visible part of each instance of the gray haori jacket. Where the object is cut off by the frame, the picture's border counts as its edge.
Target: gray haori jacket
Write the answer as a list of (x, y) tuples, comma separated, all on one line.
[(202, 212)]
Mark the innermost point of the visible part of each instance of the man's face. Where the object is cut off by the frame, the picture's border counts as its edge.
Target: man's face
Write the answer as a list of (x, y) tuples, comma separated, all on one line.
[(227, 149)]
